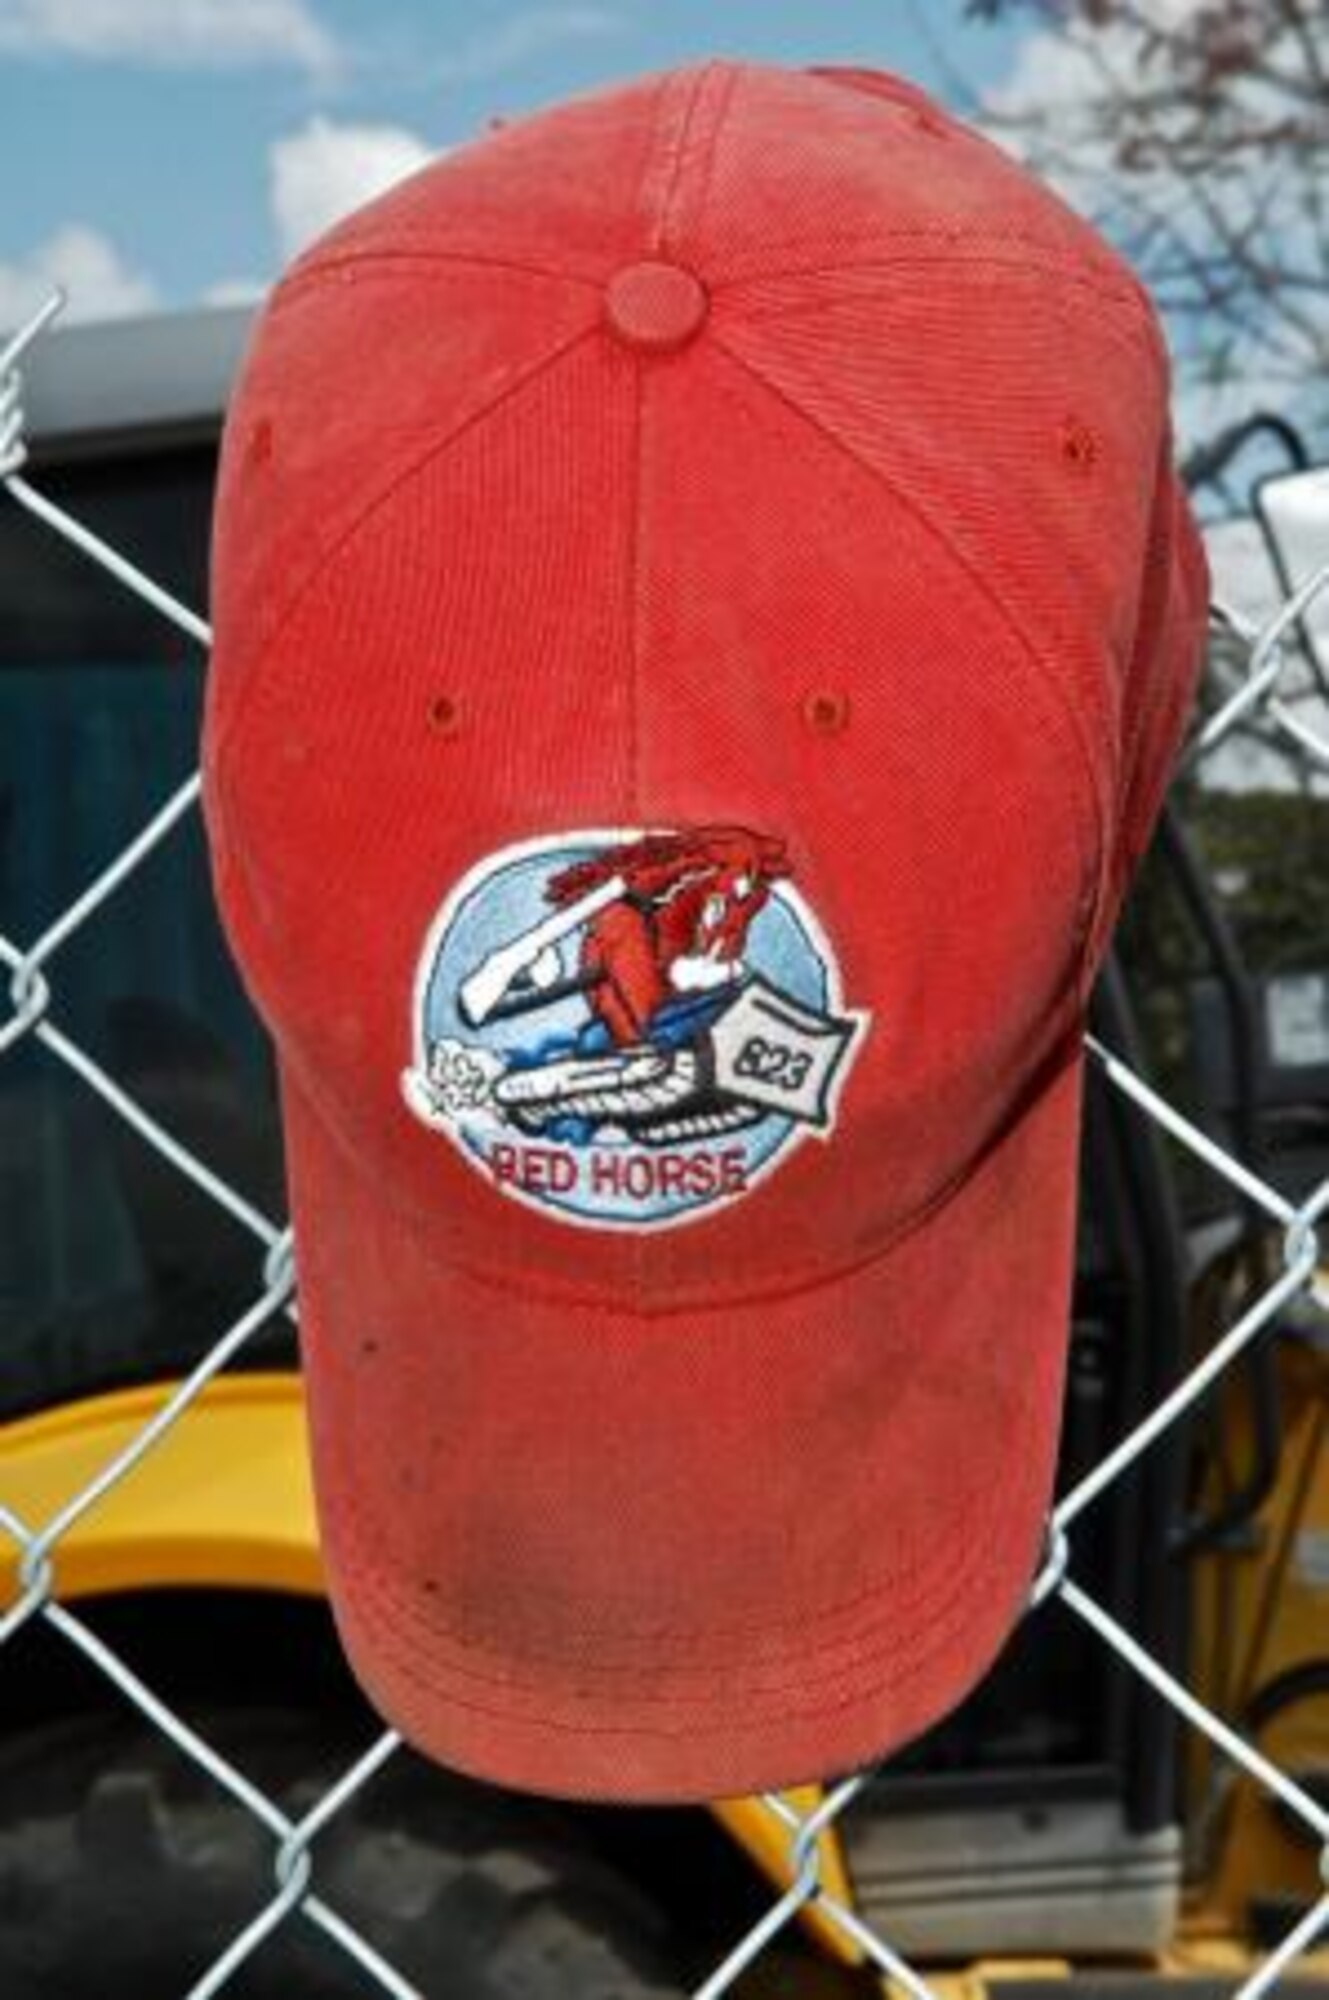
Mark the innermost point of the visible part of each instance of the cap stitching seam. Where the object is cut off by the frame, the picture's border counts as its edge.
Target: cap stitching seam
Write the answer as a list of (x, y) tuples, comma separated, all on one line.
[(671, 167), (948, 251), (1106, 278), (853, 1609), (929, 1610), (932, 1588), (937, 1630), (910, 1673), (919, 1576), (643, 1677), (947, 1615), (723, 91), (1129, 334), (636, 610), (333, 266), (242, 700), (1030, 647)]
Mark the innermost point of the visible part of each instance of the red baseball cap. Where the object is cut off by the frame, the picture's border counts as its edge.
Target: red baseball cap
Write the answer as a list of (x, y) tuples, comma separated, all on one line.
[(704, 615)]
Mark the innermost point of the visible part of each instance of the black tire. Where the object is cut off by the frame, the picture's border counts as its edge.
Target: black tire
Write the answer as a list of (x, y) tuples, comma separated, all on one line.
[(124, 1873)]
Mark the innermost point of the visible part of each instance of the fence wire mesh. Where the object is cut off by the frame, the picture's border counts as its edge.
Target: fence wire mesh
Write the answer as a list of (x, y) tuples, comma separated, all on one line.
[(1269, 654)]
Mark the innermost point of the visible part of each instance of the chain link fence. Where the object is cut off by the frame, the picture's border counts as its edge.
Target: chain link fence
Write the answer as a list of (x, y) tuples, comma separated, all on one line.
[(1267, 654)]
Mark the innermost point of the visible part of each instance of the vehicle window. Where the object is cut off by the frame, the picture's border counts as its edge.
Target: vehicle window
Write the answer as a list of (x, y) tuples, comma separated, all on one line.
[(112, 1268)]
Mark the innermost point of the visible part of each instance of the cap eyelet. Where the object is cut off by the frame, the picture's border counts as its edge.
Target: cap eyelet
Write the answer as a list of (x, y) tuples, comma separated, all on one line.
[(258, 447), (826, 710), (1078, 444), (445, 715)]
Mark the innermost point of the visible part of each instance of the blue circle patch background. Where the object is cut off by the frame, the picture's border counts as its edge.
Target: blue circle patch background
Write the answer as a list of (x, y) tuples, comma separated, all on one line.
[(510, 901)]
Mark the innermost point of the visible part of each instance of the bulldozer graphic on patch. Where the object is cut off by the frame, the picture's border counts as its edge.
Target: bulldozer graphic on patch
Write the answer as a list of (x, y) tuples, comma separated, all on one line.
[(633, 1009)]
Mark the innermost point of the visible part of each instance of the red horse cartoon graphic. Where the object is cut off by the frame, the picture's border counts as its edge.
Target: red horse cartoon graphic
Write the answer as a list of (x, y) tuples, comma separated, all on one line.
[(679, 922)]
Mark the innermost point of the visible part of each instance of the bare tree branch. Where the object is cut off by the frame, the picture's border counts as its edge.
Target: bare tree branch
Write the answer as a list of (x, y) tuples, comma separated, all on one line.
[(1198, 137)]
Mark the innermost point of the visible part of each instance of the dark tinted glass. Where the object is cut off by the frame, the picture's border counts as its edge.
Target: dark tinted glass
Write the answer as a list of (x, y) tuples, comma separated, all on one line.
[(112, 1267)]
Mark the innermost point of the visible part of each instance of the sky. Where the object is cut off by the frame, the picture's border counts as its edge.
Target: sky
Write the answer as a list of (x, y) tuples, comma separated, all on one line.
[(164, 153)]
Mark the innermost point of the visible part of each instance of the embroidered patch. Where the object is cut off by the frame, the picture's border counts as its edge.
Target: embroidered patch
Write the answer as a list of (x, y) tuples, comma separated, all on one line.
[(629, 1029)]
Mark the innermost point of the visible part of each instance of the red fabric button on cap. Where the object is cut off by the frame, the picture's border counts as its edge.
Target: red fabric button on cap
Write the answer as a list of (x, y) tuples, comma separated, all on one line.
[(655, 305)]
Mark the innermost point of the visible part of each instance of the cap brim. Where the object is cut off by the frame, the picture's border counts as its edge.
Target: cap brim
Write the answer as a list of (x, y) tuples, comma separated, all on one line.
[(694, 1554)]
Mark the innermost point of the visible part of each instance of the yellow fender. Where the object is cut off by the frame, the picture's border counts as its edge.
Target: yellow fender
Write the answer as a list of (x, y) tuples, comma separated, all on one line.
[(223, 1500)]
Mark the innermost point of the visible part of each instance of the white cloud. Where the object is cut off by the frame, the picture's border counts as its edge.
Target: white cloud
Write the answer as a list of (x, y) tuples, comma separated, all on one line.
[(234, 292), (323, 171), (529, 33), (1054, 72), (1048, 72), (100, 285), (1047, 110), (202, 34)]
